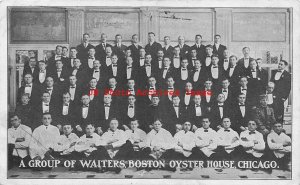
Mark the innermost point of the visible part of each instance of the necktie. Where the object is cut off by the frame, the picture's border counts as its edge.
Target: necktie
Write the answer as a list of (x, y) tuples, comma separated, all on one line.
[(252, 132), (205, 130), (89, 136), (227, 130), (28, 85), (224, 90), (215, 66), (130, 106), (129, 67), (72, 87), (106, 105), (220, 105), (46, 104), (183, 69), (96, 71)]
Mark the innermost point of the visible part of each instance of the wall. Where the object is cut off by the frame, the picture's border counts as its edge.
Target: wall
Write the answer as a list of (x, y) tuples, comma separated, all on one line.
[(209, 21)]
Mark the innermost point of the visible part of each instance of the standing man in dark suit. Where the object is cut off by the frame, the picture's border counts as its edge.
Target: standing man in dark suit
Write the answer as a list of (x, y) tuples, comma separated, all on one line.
[(74, 89), (57, 56), (167, 70), (234, 72), (30, 88), (263, 72), (200, 48), (119, 47), (196, 111), (215, 72), (244, 62), (225, 59), (99, 73), (69, 63), (135, 47), (84, 47), (282, 80), (80, 73), (182, 74), (152, 47), (40, 75), (219, 110), (184, 49), (54, 90), (101, 48), (60, 74), (31, 67), (146, 71), (167, 49), (218, 48), (65, 112), (198, 75)]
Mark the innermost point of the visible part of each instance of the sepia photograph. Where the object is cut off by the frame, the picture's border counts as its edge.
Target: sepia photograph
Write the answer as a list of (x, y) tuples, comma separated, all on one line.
[(150, 92)]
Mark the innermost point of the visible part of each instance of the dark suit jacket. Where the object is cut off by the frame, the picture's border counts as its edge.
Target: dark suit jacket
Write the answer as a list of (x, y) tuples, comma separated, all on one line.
[(230, 95), (153, 49), (237, 120), (170, 72), (91, 116), (143, 78), (179, 83), (201, 53), (37, 114), (134, 74), (216, 82), (234, 79), (169, 51), (199, 84), (82, 52), (24, 112), (135, 51), (70, 117), (151, 114), (283, 85), (81, 75), (35, 96), (64, 76), (120, 73), (196, 120), (56, 95), (215, 118), (78, 93), (27, 70), (138, 114), (170, 118), (102, 79), (100, 51), (36, 76), (120, 51), (113, 113), (256, 83), (67, 63), (220, 51), (184, 51), (240, 63)]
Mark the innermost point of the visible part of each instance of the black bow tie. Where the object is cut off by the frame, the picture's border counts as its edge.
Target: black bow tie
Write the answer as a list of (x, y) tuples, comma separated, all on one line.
[(165, 68), (197, 105), (226, 60), (72, 87), (252, 132), (96, 71), (205, 130), (227, 130), (221, 105), (106, 105), (46, 104), (224, 90), (142, 58), (130, 106), (129, 67), (89, 136), (183, 69), (171, 88), (242, 105), (92, 58), (148, 65), (27, 85), (151, 88), (253, 71), (115, 65), (244, 89), (215, 66), (175, 105), (84, 106)]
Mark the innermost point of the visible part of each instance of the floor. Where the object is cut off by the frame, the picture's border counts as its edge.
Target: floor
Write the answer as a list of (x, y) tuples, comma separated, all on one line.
[(197, 173)]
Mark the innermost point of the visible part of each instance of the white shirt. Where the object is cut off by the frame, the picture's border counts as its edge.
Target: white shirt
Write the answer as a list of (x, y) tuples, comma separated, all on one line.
[(254, 73), (128, 72), (188, 141), (106, 111), (136, 137), (242, 109), (114, 69), (119, 138), (130, 111), (165, 72), (142, 61), (21, 148), (217, 46), (257, 150), (28, 89), (203, 138), (85, 111), (57, 57), (214, 72), (42, 76), (246, 62), (43, 138), (64, 142), (162, 138), (74, 72), (176, 62), (196, 75), (148, 70), (187, 98), (198, 110), (96, 74), (108, 61), (228, 137), (45, 107), (58, 71), (184, 73), (207, 95), (72, 62), (176, 111), (170, 92), (276, 143), (231, 70), (65, 110), (84, 144), (278, 75), (269, 98), (160, 63), (225, 92), (207, 61), (221, 110), (72, 92), (90, 62), (226, 64)]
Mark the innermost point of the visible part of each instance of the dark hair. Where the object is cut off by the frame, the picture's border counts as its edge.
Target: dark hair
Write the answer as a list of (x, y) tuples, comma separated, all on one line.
[(198, 35), (151, 33)]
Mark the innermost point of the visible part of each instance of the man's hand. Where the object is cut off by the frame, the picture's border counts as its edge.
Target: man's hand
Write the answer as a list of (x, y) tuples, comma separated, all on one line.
[(234, 139), (180, 144), (20, 139), (125, 127), (287, 144), (194, 128), (255, 141), (59, 127), (72, 144), (99, 131), (219, 127), (108, 147), (79, 129), (244, 139), (242, 128)]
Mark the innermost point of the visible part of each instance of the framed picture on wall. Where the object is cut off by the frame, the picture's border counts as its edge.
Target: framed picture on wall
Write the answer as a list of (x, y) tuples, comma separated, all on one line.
[(38, 25), (23, 56)]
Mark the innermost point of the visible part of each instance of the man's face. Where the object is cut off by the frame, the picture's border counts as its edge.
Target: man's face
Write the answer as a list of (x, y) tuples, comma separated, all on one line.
[(221, 98), (15, 121), (242, 98), (73, 53), (197, 64), (131, 100), (151, 37), (77, 62), (85, 100), (157, 125), (252, 125), (46, 119), (198, 39), (130, 84), (31, 54), (103, 38), (155, 100), (128, 53), (166, 62), (176, 100), (217, 39), (135, 39), (59, 64), (129, 61), (96, 64), (277, 128), (253, 64), (246, 51), (46, 97), (225, 84), (281, 65), (152, 82), (208, 84), (65, 51), (134, 125), (113, 125), (181, 40), (107, 99), (226, 123), (112, 82), (205, 123), (108, 51), (197, 99), (114, 59), (142, 52), (32, 62), (226, 53), (170, 82), (49, 82), (188, 86), (28, 79), (24, 100), (263, 102), (42, 66), (66, 98), (86, 38), (177, 51), (270, 88), (194, 53), (232, 61), (59, 50), (243, 82), (187, 126), (72, 80), (184, 63), (92, 52), (259, 63), (208, 51), (215, 60), (160, 53), (118, 39), (67, 129), (89, 130), (93, 83), (167, 40)]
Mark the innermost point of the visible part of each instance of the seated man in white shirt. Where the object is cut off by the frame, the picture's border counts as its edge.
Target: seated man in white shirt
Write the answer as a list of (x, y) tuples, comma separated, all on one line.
[(137, 137), (66, 143), (43, 140), (159, 144), (86, 147), (185, 141), (252, 142), (18, 138), (206, 142), (280, 145), (228, 140)]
